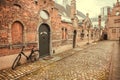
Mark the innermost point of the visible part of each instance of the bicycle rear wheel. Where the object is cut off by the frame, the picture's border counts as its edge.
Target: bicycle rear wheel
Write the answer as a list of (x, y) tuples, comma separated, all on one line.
[(16, 61), (35, 56)]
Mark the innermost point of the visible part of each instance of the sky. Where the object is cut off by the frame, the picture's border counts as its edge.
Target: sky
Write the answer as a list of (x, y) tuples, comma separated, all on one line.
[(91, 6)]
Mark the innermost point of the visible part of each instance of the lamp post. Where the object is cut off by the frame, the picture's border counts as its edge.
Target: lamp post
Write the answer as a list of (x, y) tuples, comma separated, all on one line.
[(95, 30), (88, 29), (88, 26), (99, 24)]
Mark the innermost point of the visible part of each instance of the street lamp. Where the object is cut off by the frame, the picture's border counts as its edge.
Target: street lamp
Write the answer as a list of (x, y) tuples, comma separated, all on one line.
[(88, 26), (99, 24), (88, 29), (95, 30)]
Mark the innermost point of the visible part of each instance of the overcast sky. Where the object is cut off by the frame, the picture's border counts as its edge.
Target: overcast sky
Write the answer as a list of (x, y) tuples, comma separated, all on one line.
[(91, 6)]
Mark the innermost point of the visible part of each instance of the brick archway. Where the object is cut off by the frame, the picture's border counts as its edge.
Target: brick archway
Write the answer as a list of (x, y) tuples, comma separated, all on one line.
[(17, 32)]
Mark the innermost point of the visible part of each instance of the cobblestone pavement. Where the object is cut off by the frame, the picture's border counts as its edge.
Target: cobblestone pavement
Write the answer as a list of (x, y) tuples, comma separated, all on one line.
[(92, 63), (9, 74), (89, 62)]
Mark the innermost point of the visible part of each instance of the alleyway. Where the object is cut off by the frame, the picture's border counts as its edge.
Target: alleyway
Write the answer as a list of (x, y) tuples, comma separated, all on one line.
[(92, 63)]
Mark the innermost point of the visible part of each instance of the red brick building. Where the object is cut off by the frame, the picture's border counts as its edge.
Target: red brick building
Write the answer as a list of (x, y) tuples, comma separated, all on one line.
[(113, 22), (31, 23)]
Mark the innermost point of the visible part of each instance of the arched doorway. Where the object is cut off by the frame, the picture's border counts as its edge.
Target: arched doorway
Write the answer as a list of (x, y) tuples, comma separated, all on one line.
[(44, 40), (17, 32), (74, 38), (105, 37)]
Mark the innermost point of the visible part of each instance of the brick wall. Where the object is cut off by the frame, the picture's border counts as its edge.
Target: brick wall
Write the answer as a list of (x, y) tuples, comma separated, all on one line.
[(26, 14), (113, 23)]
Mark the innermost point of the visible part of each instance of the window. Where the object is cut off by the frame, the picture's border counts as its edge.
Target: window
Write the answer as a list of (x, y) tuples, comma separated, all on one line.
[(113, 30), (17, 6), (117, 13), (64, 33), (17, 32), (36, 2), (82, 31)]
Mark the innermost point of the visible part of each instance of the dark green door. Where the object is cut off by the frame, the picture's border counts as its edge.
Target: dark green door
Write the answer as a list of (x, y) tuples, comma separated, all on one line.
[(44, 40)]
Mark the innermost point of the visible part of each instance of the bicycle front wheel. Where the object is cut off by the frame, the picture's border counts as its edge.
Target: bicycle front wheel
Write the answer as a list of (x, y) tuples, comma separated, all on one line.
[(15, 63)]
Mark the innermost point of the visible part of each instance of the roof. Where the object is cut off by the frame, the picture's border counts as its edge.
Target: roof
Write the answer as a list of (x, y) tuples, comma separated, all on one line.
[(66, 11), (81, 14), (60, 8)]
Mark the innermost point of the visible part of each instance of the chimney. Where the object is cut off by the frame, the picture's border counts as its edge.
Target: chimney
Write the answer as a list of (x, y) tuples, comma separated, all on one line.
[(87, 14), (117, 1), (108, 11)]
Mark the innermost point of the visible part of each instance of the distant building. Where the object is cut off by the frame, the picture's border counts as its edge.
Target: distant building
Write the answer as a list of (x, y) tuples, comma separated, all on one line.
[(113, 22), (105, 11)]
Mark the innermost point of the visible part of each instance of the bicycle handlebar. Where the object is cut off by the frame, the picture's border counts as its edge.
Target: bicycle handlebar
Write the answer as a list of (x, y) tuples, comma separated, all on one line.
[(33, 47), (22, 48)]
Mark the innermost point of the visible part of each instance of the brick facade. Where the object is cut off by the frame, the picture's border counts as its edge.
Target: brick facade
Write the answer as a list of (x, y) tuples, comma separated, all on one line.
[(19, 22), (113, 23)]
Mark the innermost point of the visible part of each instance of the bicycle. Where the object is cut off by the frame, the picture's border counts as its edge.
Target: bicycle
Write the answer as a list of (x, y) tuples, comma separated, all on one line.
[(34, 56)]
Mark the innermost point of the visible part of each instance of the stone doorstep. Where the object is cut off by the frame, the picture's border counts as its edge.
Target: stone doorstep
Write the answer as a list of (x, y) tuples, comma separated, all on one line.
[(11, 74)]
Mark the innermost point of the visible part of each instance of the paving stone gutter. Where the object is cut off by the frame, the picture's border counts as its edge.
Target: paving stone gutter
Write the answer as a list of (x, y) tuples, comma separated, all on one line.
[(114, 73), (111, 64)]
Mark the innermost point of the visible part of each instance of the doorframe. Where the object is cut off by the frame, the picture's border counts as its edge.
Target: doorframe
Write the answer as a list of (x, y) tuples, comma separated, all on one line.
[(37, 36), (105, 37)]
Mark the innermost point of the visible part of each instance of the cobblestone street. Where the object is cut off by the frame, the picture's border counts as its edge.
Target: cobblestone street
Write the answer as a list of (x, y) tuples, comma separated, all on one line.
[(59, 40), (92, 63)]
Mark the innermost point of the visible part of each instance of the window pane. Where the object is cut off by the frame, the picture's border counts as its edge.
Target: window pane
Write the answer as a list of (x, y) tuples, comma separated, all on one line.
[(113, 30)]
